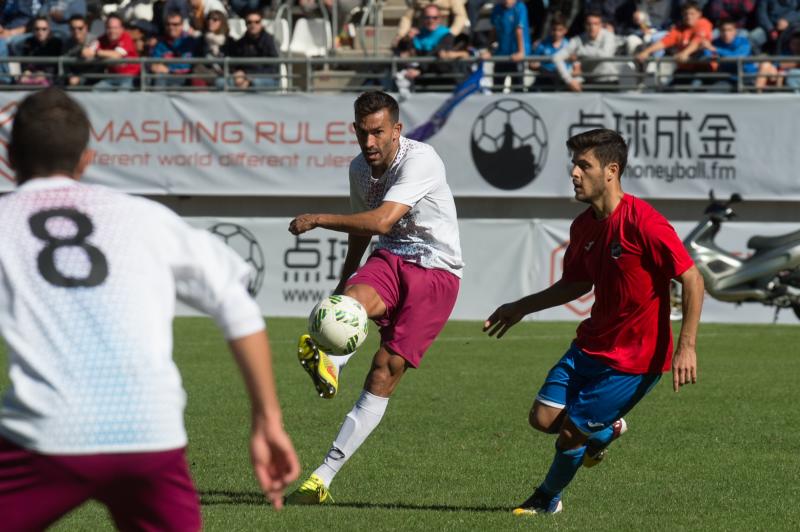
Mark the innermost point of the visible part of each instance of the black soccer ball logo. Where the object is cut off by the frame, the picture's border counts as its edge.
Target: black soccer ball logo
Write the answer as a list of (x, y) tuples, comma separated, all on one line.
[(509, 144), (245, 244)]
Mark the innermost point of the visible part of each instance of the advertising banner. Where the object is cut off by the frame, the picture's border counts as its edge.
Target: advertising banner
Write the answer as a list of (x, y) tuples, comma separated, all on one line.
[(505, 260), (681, 146)]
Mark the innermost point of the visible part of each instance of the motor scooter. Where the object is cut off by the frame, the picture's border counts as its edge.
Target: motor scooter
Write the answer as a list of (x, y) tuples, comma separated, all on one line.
[(770, 275)]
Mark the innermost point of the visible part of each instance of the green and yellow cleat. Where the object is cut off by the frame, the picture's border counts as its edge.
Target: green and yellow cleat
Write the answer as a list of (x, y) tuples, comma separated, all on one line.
[(319, 366), (311, 491)]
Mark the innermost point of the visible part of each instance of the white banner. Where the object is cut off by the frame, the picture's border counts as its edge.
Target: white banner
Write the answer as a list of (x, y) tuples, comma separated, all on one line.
[(505, 260), (681, 146)]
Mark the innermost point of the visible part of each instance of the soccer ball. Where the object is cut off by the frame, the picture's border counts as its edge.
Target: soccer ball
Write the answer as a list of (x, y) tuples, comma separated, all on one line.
[(338, 325), (245, 244)]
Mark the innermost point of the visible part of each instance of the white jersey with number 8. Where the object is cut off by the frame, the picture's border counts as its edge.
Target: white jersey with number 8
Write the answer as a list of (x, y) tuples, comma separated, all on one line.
[(88, 281)]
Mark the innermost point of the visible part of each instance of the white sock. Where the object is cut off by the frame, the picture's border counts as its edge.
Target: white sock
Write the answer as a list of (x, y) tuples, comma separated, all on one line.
[(358, 424), (340, 361)]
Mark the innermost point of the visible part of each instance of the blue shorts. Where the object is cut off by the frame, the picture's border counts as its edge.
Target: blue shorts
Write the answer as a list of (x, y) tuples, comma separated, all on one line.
[(594, 394)]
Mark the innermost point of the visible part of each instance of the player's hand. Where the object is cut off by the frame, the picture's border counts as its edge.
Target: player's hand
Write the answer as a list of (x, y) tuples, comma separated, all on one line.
[(575, 86), (684, 367), (502, 319), (274, 460), (303, 223)]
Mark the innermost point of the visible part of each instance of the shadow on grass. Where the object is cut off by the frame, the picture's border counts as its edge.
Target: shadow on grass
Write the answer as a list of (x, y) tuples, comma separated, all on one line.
[(255, 498)]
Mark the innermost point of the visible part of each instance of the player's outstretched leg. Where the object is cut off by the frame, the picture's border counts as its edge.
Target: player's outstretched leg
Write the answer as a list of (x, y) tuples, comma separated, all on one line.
[(597, 444), (324, 373)]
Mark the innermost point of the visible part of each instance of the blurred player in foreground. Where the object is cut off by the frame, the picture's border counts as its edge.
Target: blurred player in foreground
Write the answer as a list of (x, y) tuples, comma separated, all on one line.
[(628, 252), (88, 278), (409, 284)]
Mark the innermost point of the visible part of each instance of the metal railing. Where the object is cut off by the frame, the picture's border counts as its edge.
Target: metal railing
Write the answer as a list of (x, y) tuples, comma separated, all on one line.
[(320, 74)]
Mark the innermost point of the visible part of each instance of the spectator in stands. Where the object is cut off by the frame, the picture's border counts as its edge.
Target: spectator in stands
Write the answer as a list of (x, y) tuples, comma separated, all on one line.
[(256, 42), (447, 9), (741, 12), (175, 43), (59, 12), (684, 40), (78, 40), (774, 18), (40, 44), (512, 34), (215, 45), (730, 44), (429, 40), (547, 75), (115, 43), (588, 49)]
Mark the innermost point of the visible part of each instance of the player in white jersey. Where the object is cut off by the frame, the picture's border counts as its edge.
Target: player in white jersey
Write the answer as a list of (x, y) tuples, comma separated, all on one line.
[(88, 278), (409, 284)]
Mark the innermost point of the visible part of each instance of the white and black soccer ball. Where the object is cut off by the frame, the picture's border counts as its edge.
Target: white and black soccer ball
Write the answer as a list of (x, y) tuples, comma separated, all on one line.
[(338, 325), (245, 244), (509, 143)]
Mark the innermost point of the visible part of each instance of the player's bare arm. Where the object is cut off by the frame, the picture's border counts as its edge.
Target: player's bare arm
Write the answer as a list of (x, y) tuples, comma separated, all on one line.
[(684, 361), (377, 221), (356, 247), (508, 315), (274, 459)]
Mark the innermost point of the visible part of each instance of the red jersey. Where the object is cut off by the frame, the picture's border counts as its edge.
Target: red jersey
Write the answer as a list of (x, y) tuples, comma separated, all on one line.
[(126, 48), (630, 258)]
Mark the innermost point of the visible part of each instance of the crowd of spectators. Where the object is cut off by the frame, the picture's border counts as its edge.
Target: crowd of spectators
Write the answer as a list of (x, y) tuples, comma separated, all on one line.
[(586, 44), (177, 29)]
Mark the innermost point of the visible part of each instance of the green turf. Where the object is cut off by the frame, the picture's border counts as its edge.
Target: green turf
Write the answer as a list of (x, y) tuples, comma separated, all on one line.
[(454, 450)]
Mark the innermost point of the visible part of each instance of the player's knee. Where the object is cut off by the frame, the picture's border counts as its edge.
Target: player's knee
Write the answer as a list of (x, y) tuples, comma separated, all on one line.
[(540, 422)]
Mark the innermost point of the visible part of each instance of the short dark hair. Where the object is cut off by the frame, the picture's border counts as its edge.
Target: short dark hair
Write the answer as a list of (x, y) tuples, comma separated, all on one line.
[(48, 122), (557, 19), (725, 21), (593, 11), (373, 101), (253, 11), (608, 146), (39, 18), (73, 18), (116, 16), (690, 4), (173, 14)]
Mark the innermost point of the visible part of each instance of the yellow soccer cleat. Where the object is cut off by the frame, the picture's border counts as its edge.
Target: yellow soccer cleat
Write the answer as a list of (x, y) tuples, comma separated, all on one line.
[(538, 504), (311, 491), (324, 373)]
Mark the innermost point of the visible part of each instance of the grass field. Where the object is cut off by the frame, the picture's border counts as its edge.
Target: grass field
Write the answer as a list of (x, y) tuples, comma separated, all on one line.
[(454, 451)]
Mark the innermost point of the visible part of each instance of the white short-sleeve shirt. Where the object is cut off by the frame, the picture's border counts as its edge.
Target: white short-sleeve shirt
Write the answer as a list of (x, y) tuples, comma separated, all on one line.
[(428, 233), (88, 282)]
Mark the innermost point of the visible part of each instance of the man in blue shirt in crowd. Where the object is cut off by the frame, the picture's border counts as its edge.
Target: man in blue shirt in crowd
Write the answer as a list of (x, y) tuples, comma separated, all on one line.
[(175, 43), (730, 43), (510, 21), (547, 74)]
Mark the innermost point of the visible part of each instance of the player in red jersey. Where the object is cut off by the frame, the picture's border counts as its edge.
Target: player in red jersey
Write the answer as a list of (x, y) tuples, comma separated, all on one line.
[(628, 252)]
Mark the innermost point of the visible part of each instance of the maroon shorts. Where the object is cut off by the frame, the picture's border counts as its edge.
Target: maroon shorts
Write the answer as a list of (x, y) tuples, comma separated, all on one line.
[(143, 491), (418, 302)]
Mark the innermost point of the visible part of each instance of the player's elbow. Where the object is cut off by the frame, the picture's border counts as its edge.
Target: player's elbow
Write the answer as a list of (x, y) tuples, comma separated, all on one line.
[(383, 226)]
